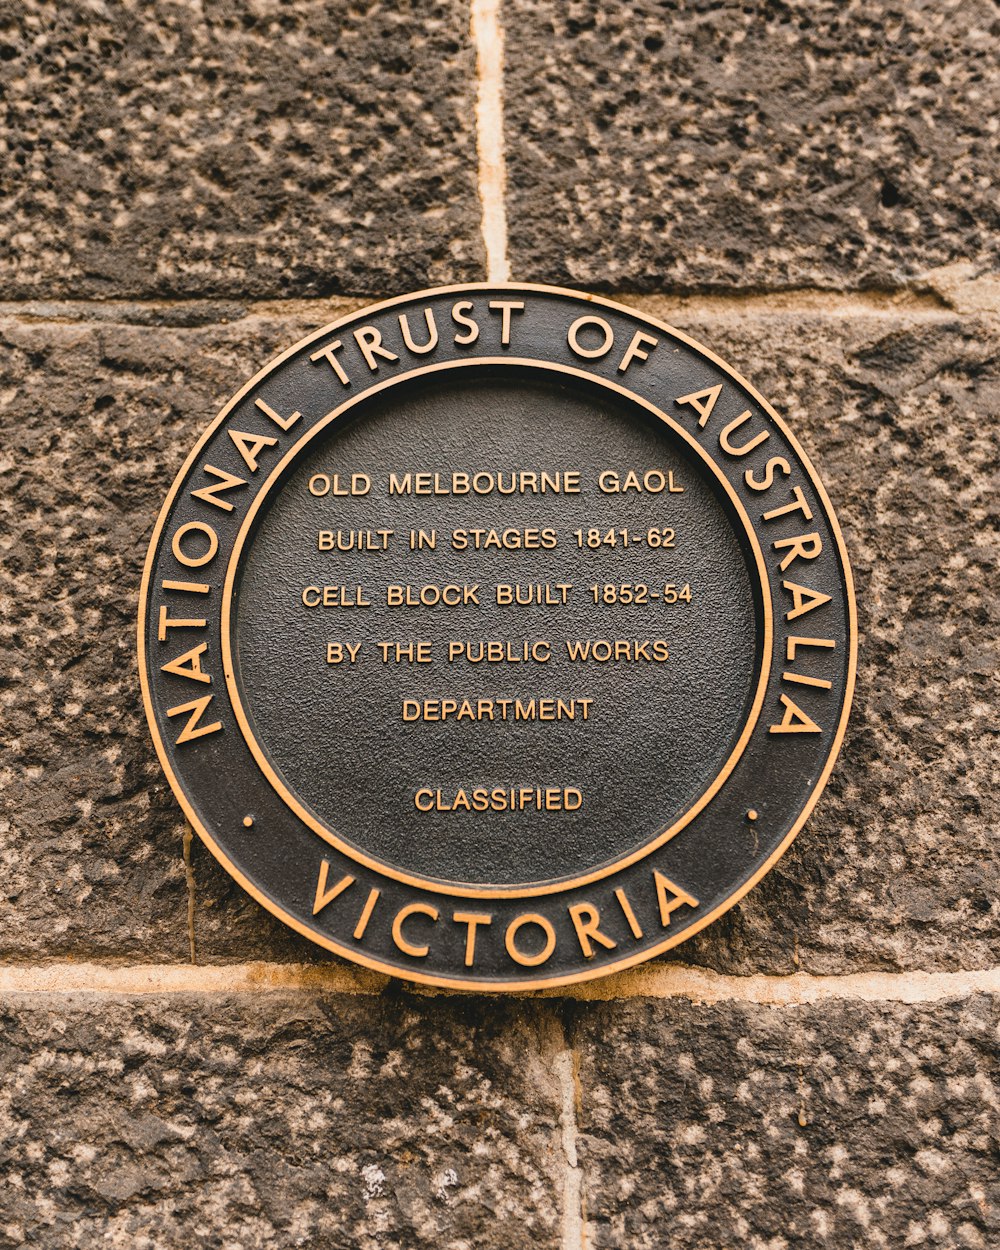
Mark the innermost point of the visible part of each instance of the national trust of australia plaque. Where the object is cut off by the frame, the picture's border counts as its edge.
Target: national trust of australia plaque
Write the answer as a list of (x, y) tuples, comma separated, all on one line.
[(497, 636)]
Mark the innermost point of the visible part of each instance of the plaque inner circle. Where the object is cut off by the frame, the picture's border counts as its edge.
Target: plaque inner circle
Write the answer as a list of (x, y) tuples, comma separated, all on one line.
[(561, 610)]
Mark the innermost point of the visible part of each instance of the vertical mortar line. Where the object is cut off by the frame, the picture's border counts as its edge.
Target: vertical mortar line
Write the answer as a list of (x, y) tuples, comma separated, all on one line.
[(189, 878), (800, 1089), (487, 38), (563, 1063)]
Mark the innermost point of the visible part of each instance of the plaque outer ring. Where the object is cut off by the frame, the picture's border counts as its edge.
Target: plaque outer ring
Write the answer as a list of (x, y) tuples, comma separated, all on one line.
[(586, 973)]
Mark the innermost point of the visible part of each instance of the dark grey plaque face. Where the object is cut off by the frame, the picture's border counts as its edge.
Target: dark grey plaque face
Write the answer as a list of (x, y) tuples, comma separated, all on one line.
[(498, 637)]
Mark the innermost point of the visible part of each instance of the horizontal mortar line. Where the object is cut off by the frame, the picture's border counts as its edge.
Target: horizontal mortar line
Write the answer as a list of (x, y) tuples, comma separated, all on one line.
[(232, 310), (803, 300), (666, 981)]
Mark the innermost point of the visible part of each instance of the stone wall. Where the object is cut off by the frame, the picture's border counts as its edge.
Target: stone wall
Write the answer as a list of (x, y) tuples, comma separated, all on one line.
[(807, 187)]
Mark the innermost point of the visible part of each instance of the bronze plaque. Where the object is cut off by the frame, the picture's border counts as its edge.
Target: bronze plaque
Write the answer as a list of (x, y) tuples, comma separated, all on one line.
[(497, 637)]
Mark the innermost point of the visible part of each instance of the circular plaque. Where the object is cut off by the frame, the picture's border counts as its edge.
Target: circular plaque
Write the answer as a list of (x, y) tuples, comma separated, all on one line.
[(497, 636)]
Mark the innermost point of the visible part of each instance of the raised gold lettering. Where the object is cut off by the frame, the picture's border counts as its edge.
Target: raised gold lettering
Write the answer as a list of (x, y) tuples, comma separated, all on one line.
[(324, 894), (192, 588), (193, 728), (283, 423), (798, 504), (370, 341), (586, 919), (670, 897), (471, 920), (726, 443), (775, 463), (177, 622), (189, 664), (471, 328), (515, 927), (628, 913), (250, 446), (803, 599), (404, 913), (505, 307), (194, 527), (327, 354), (590, 353), (635, 351), (420, 349), (209, 494), (794, 641), (702, 402), (366, 913), (794, 720), (801, 547)]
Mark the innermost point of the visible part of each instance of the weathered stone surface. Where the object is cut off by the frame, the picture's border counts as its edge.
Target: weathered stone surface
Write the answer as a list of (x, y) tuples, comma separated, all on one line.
[(701, 146), (276, 1120), (96, 421), (174, 149), (290, 1118), (846, 1125), (896, 867)]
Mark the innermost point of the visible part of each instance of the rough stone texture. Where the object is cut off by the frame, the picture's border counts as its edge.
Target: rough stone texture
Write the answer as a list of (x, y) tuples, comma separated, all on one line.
[(250, 1121), (701, 145), (96, 420), (850, 1126), (244, 150), (215, 153), (898, 864), (897, 867)]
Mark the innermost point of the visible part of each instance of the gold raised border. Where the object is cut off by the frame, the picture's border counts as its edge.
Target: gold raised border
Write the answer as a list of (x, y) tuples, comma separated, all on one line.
[(456, 888), (539, 983)]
